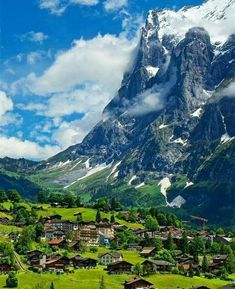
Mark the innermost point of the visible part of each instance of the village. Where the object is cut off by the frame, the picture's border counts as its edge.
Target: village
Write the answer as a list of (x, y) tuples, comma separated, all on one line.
[(137, 245)]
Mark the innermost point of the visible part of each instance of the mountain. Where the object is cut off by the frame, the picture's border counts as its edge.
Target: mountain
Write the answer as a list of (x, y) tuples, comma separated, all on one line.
[(167, 136)]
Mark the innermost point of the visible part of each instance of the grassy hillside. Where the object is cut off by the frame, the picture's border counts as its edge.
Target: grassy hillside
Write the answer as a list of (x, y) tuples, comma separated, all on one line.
[(82, 280)]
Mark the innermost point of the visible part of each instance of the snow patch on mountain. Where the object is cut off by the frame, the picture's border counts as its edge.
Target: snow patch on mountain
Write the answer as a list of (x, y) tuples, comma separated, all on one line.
[(197, 113), (114, 169), (164, 184), (216, 16), (140, 185), (188, 184), (177, 202), (132, 179)]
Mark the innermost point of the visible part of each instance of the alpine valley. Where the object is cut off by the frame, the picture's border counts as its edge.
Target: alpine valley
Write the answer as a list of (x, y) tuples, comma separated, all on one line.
[(167, 138)]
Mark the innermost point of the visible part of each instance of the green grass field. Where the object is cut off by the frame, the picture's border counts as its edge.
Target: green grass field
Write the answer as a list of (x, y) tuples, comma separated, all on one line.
[(89, 279), (87, 214)]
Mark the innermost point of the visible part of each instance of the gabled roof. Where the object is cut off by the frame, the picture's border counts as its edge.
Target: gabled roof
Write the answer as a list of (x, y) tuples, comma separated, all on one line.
[(55, 242), (137, 280), (120, 262), (113, 254), (159, 262), (147, 250)]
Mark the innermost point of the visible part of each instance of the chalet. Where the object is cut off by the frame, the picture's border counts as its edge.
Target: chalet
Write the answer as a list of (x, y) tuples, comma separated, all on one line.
[(220, 259), (36, 258), (87, 263), (141, 233), (148, 252), (157, 266), (134, 247), (138, 283), (120, 267), (223, 239), (58, 264), (65, 226), (52, 234), (109, 258)]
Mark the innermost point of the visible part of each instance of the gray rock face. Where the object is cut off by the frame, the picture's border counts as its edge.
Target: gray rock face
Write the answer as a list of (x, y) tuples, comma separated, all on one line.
[(189, 125)]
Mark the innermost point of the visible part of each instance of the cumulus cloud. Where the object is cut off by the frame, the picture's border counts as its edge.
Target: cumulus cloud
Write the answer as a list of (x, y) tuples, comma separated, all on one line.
[(38, 37), (17, 148), (58, 7), (113, 5), (102, 59), (6, 103)]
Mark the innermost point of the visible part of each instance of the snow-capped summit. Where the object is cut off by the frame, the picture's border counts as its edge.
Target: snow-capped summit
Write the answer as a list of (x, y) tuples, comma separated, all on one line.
[(216, 16)]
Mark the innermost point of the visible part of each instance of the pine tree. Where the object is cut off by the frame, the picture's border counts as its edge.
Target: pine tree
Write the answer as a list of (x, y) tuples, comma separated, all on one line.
[(98, 216), (112, 219), (204, 264), (169, 243)]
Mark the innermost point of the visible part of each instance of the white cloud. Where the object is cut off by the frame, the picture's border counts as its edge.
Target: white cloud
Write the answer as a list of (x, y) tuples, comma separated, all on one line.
[(113, 5), (6, 103), (38, 37), (17, 148), (58, 7), (229, 90), (33, 57), (102, 59), (70, 133)]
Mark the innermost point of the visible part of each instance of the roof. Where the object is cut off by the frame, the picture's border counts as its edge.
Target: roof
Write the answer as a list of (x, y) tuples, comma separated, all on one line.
[(137, 280), (120, 262), (55, 242), (220, 257), (147, 250), (113, 254), (159, 262)]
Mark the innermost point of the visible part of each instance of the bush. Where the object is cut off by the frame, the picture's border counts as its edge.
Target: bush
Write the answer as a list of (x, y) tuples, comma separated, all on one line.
[(11, 280)]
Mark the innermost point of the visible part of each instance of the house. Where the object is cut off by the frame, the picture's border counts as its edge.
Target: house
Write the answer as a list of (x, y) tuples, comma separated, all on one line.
[(223, 239), (134, 247), (157, 266), (36, 258), (105, 229), (120, 267), (58, 264), (220, 259), (89, 235), (109, 257), (87, 263), (52, 234), (148, 252), (141, 233), (138, 283)]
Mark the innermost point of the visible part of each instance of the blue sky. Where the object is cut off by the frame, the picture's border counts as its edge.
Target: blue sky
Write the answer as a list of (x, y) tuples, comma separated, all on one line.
[(61, 62)]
